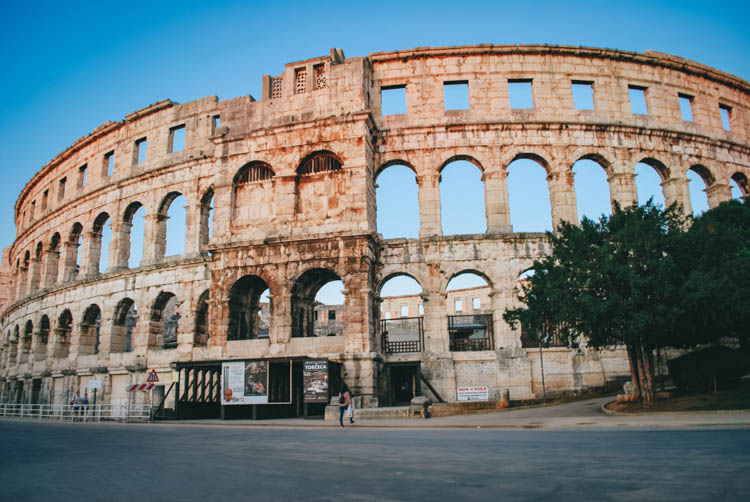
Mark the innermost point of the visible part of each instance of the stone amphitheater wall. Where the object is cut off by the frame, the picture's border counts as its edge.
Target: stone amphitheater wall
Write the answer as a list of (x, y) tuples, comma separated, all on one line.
[(290, 223)]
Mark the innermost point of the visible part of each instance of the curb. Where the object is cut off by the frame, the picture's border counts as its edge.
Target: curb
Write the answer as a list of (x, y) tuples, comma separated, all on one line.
[(614, 413)]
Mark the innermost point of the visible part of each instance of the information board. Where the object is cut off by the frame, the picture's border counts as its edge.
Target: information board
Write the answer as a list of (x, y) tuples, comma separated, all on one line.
[(315, 378), (244, 382), (473, 393)]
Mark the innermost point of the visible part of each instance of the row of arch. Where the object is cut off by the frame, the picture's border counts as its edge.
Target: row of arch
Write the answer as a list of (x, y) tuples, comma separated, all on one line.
[(65, 262)]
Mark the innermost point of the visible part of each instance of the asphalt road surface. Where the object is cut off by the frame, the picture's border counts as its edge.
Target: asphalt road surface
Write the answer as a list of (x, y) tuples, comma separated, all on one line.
[(143, 462)]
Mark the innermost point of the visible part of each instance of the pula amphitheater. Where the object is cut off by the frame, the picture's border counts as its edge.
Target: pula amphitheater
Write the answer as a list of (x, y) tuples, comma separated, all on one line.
[(281, 196)]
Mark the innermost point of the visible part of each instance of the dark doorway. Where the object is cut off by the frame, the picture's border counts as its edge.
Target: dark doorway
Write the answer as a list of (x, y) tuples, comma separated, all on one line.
[(36, 388), (197, 392), (403, 383)]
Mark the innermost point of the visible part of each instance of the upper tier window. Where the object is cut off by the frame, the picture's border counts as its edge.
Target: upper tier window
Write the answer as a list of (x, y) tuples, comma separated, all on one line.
[(319, 162)]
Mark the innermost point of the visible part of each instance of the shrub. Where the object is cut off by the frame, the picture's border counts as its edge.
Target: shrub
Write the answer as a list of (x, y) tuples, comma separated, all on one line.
[(697, 371)]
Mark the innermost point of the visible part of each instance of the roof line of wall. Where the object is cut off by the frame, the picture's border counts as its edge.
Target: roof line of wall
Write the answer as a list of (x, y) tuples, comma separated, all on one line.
[(652, 58)]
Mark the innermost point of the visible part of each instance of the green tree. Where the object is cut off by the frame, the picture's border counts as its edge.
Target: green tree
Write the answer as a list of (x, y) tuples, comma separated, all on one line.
[(714, 256), (614, 282)]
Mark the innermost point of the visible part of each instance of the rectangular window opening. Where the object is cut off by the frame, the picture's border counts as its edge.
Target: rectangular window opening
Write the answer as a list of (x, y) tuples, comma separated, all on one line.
[(319, 71), (331, 315), (404, 311), (140, 151), (32, 212), (109, 163), (388, 314), (476, 304), (458, 306), (300, 80), (726, 117), (421, 309), (456, 95), (215, 123), (82, 176), (61, 190), (393, 100), (686, 107), (583, 94), (637, 100), (176, 138), (45, 196), (520, 94)]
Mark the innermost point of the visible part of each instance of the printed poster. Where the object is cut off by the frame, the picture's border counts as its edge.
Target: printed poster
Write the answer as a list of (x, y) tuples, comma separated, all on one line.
[(244, 382), (315, 380)]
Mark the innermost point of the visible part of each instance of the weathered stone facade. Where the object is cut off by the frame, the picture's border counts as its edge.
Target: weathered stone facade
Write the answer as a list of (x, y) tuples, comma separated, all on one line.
[(291, 179)]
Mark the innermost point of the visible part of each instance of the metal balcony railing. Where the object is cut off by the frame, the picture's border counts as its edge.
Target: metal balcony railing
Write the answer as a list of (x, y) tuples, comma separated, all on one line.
[(402, 335), (470, 332)]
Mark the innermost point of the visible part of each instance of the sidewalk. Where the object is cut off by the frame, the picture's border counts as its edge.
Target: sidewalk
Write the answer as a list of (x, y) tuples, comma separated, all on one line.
[(569, 416)]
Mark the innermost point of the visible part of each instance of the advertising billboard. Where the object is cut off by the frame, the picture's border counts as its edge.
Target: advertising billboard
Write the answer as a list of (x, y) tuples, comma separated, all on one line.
[(244, 382), (315, 378)]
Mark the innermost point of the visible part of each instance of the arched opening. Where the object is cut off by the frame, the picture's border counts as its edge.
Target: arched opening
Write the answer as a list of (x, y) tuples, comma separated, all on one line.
[(397, 199), (252, 196), (528, 195), (318, 304), (90, 327), (165, 317), (649, 175), (206, 217), (462, 208), (28, 331), (53, 261), (401, 315), (319, 162), (126, 318), (249, 309), (63, 334), (171, 226), (469, 310), (699, 179), (13, 350), (132, 232), (321, 190), (201, 321), (592, 190), (40, 352), (740, 188), (99, 248)]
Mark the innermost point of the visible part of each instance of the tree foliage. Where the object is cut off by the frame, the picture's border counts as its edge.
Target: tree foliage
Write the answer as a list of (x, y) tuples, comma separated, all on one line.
[(615, 282)]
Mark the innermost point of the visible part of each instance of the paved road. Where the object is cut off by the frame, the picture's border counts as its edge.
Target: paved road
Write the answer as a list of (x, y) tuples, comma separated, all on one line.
[(142, 462)]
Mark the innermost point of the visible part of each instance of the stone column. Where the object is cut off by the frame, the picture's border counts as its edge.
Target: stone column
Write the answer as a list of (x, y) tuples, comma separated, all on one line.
[(51, 268), (562, 197), (22, 282), (429, 205), (436, 338), (119, 247), (34, 273), (154, 239), (718, 193), (92, 256), (105, 334), (66, 272), (496, 202), (622, 189), (677, 190), (192, 230)]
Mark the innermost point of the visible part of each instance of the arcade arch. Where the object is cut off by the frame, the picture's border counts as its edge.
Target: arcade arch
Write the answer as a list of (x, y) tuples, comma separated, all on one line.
[(397, 202), (462, 205)]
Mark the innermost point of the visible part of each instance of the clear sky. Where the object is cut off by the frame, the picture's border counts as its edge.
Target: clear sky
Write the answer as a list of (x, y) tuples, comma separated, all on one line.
[(71, 66)]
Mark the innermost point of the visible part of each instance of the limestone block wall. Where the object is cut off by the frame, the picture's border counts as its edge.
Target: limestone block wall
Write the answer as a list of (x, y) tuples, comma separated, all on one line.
[(280, 194)]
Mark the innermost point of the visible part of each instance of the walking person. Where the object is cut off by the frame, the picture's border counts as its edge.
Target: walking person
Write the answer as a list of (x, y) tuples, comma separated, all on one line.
[(85, 404), (345, 399), (76, 402)]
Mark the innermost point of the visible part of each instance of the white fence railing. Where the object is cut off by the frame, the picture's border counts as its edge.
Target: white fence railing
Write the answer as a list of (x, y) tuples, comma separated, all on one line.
[(76, 413)]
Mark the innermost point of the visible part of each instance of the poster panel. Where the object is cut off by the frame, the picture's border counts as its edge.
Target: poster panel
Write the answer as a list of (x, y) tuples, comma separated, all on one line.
[(473, 393), (244, 382), (315, 380)]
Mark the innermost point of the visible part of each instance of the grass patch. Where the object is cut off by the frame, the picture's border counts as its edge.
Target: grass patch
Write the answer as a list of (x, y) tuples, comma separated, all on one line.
[(731, 399)]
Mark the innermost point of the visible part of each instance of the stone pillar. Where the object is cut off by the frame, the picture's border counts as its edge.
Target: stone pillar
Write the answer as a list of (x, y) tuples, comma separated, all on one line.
[(142, 332), (58, 348), (222, 211), (39, 348), (429, 205), (119, 247), (22, 282), (193, 229), (436, 339), (66, 272), (34, 273), (51, 268), (280, 331), (154, 239), (105, 334), (718, 193), (677, 190), (622, 189), (496, 202), (562, 197), (91, 256)]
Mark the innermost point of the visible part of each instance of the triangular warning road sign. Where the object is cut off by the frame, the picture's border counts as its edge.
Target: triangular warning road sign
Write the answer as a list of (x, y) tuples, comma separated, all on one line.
[(152, 377)]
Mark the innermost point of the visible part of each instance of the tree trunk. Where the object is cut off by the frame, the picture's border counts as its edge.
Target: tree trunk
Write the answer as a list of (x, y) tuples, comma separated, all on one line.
[(632, 360), (645, 371)]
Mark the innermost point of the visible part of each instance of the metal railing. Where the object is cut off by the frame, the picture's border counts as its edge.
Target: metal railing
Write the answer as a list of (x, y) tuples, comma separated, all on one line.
[(81, 413), (470, 332), (402, 335)]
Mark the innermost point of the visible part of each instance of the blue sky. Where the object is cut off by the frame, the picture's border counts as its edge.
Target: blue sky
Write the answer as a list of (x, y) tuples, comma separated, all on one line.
[(69, 67)]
